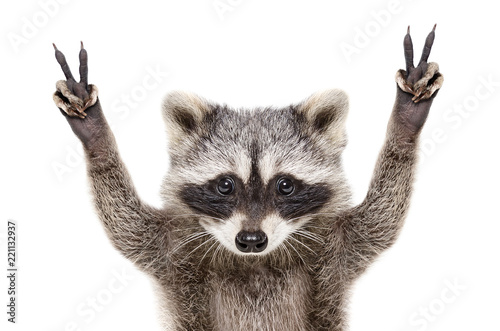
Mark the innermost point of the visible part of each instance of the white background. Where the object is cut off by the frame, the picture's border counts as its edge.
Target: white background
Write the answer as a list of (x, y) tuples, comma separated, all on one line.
[(256, 53)]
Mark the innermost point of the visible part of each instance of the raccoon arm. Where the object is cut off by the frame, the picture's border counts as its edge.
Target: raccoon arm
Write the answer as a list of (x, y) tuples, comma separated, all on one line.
[(373, 226), (132, 226)]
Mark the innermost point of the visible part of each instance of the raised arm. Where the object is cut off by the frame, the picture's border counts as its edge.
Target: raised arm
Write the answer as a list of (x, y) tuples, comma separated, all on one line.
[(133, 227), (374, 225)]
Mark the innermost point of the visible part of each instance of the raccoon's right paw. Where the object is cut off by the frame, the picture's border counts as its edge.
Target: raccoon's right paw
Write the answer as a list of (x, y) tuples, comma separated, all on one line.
[(79, 103), (69, 103), (72, 97)]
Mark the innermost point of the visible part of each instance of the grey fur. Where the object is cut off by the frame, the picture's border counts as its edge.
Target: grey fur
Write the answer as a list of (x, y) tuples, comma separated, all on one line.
[(302, 280), (299, 291)]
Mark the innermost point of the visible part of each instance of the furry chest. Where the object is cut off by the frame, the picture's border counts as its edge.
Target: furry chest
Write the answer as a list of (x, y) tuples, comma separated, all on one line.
[(260, 301)]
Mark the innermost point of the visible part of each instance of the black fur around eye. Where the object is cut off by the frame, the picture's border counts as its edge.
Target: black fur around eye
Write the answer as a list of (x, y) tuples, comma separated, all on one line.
[(225, 186), (285, 186)]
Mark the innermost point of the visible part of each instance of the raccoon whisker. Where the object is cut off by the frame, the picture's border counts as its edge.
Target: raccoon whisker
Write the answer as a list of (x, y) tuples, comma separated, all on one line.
[(286, 251), (310, 235), (184, 215), (214, 218), (197, 247), (192, 236), (189, 239), (307, 247), (214, 255), (312, 215), (187, 229), (298, 254), (196, 215), (217, 250), (176, 217), (307, 225), (208, 250), (298, 218), (188, 215)]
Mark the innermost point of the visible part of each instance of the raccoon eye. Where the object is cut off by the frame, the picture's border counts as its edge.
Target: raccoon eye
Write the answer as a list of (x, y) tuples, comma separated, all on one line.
[(285, 186), (225, 186)]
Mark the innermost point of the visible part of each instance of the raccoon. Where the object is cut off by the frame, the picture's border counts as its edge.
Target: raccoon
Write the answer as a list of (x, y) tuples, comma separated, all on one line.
[(257, 231)]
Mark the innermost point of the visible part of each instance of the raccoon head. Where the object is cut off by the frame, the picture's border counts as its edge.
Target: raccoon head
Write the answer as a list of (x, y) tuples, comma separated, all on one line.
[(255, 177)]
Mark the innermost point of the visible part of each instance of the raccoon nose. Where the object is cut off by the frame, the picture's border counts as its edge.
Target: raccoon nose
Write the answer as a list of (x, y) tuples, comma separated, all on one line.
[(248, 242)]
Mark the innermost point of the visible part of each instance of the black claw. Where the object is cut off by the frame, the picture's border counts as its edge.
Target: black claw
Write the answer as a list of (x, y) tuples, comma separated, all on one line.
[(54, 46)]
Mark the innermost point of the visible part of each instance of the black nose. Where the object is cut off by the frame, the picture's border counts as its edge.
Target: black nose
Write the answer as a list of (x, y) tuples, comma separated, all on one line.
[(251, 241)]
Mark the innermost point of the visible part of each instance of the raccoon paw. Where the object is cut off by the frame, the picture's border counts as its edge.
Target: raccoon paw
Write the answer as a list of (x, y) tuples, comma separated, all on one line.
[(72, 97), (70, 103), (424, 80)]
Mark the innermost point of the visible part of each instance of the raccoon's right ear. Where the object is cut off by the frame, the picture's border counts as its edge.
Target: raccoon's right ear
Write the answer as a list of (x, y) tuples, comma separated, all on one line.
[(326, 113), (184, 114)]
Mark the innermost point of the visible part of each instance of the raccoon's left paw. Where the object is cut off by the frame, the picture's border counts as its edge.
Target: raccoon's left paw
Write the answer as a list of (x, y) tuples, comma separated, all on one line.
[(70, 103), (424, 80)]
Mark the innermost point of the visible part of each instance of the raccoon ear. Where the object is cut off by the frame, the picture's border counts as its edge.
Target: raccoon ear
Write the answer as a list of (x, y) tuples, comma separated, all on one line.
[(183, 114), (326, 109), (326, 113)]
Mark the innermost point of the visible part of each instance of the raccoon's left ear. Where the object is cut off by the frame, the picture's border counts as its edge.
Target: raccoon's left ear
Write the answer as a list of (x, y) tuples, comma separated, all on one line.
[(326, 113), (184, 114)]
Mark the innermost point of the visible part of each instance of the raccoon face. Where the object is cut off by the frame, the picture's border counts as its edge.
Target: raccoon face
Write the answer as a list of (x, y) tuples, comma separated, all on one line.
[(253, 178)]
